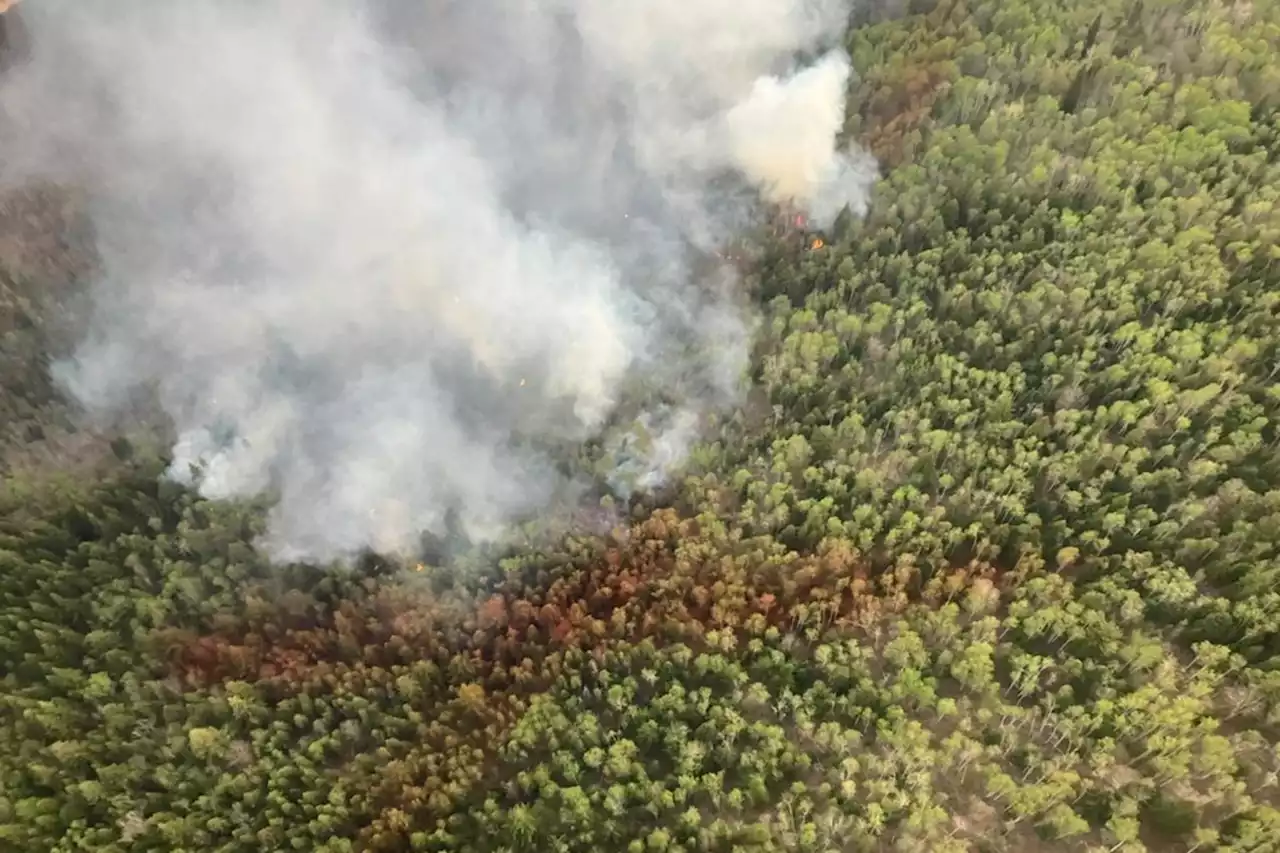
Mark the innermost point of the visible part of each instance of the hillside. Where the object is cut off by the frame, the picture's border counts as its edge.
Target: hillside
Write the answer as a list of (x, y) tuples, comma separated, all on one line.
[(989, 559)]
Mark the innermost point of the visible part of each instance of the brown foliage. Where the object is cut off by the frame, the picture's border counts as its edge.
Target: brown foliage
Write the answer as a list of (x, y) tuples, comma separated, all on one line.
[(896, 110)]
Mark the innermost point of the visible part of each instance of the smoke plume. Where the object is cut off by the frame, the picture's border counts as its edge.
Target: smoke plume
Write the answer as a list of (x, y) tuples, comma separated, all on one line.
[(385, 259)]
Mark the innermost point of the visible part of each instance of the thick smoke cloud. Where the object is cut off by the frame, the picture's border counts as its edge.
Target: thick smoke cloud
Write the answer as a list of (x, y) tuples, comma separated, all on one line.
[(384, 258)]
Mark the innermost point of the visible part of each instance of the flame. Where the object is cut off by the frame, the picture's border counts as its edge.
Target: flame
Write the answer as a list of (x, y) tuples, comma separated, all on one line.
[(817, 243)]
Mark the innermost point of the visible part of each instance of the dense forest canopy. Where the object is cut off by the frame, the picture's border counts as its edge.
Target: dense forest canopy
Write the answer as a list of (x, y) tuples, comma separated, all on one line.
[(987, 559)]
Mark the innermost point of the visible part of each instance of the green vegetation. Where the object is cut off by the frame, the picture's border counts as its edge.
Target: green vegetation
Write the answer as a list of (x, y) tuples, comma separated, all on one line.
[(990, 562)]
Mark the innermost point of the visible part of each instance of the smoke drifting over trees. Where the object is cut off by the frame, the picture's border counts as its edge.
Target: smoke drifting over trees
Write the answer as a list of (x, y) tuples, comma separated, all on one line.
[(381, 261)]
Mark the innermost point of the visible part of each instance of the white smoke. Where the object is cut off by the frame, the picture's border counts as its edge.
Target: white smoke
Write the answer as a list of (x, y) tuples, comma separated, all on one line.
[(781, 135), (382, 258)]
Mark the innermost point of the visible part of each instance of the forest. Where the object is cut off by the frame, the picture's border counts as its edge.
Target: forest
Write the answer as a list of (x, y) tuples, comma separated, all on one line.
[(988, 560)]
